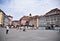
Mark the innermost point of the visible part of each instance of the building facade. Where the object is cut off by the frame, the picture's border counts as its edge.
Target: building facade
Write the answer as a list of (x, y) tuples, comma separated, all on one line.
[(36, 20), (1, 18), (23, 20), (15, 23), (4, 20), (50, 18), (42, 21), (53, 17), (33, 20), (10, 19)]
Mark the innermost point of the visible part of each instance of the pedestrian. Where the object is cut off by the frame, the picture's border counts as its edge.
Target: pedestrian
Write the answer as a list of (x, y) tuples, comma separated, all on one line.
[(7, 29), (20, 28), (17, 26), (24, 29)]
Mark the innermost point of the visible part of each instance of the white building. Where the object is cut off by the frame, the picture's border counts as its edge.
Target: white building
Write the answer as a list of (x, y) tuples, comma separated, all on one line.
[(42, 21), (6, 21), (53, 17), (50, 18)]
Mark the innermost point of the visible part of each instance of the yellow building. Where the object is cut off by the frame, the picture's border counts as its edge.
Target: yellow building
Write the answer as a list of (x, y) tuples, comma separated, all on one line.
[(1, 18), (4, 20)]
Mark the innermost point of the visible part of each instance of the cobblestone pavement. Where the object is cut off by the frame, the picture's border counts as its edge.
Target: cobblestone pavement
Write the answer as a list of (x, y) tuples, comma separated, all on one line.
[(32, 35), (2, 34)]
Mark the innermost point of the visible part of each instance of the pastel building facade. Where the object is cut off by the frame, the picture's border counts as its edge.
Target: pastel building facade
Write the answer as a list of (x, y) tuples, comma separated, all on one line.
[(4, 20), (50, 18)]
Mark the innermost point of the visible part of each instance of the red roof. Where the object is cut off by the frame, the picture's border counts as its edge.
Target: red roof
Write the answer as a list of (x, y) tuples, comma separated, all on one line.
[(36, 16), (26, 18)]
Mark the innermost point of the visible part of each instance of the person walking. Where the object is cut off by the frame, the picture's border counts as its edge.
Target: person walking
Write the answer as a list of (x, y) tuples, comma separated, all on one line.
[(24, 29), (7, 29)]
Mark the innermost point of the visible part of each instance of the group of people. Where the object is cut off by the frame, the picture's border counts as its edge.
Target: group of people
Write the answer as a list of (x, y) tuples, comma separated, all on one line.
[(23, 28), (18, 27)]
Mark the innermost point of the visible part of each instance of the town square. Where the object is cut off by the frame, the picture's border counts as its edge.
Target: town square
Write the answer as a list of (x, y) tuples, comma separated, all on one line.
[(29, 20)]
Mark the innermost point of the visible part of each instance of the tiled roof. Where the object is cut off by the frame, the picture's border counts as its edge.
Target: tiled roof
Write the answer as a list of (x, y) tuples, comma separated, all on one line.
[(26, 18), (36, 16), (2, 12), (55, 11), (9, 16), (29, 18), (52, 14)]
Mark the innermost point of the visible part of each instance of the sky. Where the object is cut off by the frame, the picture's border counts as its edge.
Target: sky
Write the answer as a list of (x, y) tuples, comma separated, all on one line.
[(20, 8)]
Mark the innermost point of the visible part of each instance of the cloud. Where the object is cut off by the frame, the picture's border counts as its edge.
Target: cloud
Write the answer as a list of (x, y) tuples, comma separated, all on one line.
[(19, 8)]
